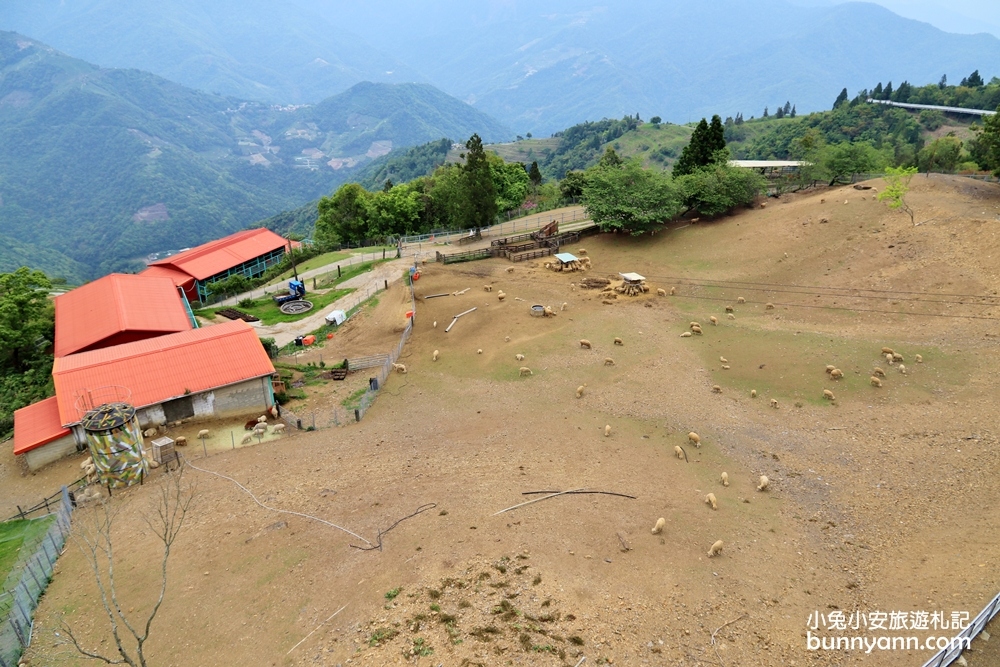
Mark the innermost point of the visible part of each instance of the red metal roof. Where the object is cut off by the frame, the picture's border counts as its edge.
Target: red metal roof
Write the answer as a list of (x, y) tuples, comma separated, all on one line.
[(36, 425), (117, 304), (180, 278), (217, 256), (162, 368)]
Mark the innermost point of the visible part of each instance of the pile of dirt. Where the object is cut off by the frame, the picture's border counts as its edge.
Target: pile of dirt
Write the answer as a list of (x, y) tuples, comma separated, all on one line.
[(594, 283)]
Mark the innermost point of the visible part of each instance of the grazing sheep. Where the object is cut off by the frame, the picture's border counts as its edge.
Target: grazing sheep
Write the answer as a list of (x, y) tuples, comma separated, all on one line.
[(579, 390), (774, 403), (679, 451), (501, 296), (607, 430), (753, 393), (836, 374), (710, 500), (180, 441), (618, 341), (204, 433), (889, 359), (563, 306), (434, 357), (725, 479), (658, 528), (729, 309), (724, 360), (874, 381), (585, 343), (247, 439), (714, 320), (879, 372), (696, 330), (726, 367), (740, 299), (260, 428), (506, 339), (274, 411), (435, 324), (896, 356), (887, 350), (519, 357), (89, 461), (902, 369), (581, 251), (261, 419), (572, 287), (487, 288), (694, 438), (768, 306), (149, 432), (479, 351), (399, 368), (717, 547), (731, 316), (673, 291), (828, 395), (686, 334), (660, 291), (278, 428), (764, 483), (716, 389), (830, 369), (608, 361), (695, 324), (510, 269), (524, 370), (919, 359)]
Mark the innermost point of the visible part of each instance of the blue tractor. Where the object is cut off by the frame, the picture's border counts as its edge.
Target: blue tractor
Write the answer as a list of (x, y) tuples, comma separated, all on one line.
[(294, 302)]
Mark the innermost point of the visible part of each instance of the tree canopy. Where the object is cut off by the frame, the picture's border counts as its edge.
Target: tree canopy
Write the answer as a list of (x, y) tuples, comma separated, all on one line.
[(703, 149), (629, 198)]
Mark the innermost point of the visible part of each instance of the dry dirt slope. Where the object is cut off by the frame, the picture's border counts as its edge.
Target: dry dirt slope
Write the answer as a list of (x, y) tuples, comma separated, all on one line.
[(876, 498)]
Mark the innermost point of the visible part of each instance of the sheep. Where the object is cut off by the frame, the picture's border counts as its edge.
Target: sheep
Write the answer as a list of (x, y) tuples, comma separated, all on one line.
[(673, 291), (714, 320), (608, 361), (585, 343), (204, 433), (579, 390), (658, 528), (836, 374), (896, 356), (519, 357), (830, 369), (399, 368), (506, 339), (678, 451), (716, 389), (723, 360), (149, 432), (89, 461), (686, 334), (487, 288), (261, 419), (726, 367), (694, 325), (731, 316), (435, 324), (524, 370), (879, 372), (180, 441), (479, 351), (510, 269), (660, 291), (618, 341), (768, 306), (607, 430), (919, 359), (902, 369), (717, 547), (753, 393), (887, 350), (696, 330), (695, 439), (725, 479), (435, 355), (828, 395), (247, 439), (260, 428), (764, 483), (563, 306), (729, 309), (889, 359), (274, 411), (774, 403), (501, 296), (740, 299), (278, 428), (874, 381), (710, 500)]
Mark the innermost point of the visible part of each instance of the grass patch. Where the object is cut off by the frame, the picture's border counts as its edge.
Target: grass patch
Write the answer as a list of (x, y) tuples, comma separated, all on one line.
[(354, 270), (421, 648), (14, 535), (485, 634), (392, 594), (353, 402), (268, 312), (381, 635), (313, 263)]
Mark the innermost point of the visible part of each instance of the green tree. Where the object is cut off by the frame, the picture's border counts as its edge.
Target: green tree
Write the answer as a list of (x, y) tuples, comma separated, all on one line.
[(985, 148), (897, 185), (655, 120), (720, 188), (535, 174), (26, 320), (343, 217), (480, 191), (842, 98), (631, 199), (610, 158), (942, 154), (571, 187), (974, 80), (511, 183), (703, 149), (844, 161)]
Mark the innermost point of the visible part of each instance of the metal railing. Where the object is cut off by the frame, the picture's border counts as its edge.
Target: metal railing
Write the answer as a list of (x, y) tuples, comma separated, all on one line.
[(948, 655)]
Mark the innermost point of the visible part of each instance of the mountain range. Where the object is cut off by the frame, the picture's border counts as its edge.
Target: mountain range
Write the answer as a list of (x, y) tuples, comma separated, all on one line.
[(99, 167)]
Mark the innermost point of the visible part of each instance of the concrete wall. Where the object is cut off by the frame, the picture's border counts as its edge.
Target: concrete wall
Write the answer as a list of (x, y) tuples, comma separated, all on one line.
[(53, 451), (245, 398)]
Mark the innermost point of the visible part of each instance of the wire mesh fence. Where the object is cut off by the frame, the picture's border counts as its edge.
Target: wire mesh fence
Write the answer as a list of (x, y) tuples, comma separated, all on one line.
[(26, 584)]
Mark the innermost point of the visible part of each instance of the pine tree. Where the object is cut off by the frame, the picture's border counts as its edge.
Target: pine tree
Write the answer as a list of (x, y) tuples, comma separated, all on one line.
[(788, 108), (877, 92), (481, 193), (902, 93), (706, 141), (974, 80), (792, 114), (887, 93), (716, 139), (610, 158), (780, 113), (840, 98), (943, 83), (535, 174), (765, 113)]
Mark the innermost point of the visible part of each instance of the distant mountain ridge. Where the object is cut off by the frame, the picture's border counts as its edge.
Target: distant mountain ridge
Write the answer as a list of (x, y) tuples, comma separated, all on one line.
[(100, 167)]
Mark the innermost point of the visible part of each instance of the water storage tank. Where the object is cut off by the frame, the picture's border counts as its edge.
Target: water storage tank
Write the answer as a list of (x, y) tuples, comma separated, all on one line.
[(115, 443)]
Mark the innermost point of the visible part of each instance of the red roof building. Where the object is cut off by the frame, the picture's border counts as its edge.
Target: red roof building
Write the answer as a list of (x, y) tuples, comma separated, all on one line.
[(118, 309), (36, 425), (248, 253)]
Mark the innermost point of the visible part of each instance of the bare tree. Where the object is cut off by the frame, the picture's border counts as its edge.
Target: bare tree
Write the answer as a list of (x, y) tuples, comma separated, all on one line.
[(94, 537)]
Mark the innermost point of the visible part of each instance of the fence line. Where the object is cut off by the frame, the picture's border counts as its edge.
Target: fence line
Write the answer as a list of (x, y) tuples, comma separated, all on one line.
[(17, 624), (948, 655)]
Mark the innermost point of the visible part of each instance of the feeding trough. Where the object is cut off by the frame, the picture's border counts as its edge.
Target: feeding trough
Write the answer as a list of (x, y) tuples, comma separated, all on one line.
[(632, 284), (567, 261), (537, 310)]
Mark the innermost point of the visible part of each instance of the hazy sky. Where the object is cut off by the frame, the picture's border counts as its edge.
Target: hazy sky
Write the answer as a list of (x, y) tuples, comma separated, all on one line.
[(963, 16)]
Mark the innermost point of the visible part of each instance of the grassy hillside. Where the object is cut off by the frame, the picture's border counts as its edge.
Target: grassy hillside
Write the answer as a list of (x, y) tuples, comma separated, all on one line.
[(100, 167)]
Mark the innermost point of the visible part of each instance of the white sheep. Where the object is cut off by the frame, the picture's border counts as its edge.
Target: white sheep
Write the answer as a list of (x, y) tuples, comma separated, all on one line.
[(506, 339), (896, 356), (725, 479), (435, 324), (585, 343), (660, 291), (889, 359), (836, 374), (278, 428), (729, 309), (581, 251), (768, 306), (487, 288), (89, 461), (608, 361), (658, 528), (203, 433), (399, 368), (879, 372), (887, 350), (716, 389), (696, 330), (180, 441), (717, 547), (764, 483), (731, 316), (774, 403), (479, 351), (678, 451), (274, 411), (694, 325), (247, 439), (919, 359), (724, 360), (434, 357), (260, 428), (563, 307), (830, 369), (902, 369), (579, 390), (149, 432), (828, 395), (726, 367), (673, 291), (261, 419), (607, 430), (501, 296), (714, 320), (618, 341), (710, 500), (510, 269), (740, 299), (874, 381), (686, 334), (694, 438), (753, 393), (519, 357), (524, 370)]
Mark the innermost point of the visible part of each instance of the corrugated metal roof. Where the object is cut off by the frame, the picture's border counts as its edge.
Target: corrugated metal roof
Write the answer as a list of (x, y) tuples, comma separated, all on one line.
[(163, 368), (632, 277), (115, 304), (565, 257), (217, 256), (179, 278), (36, 425)]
